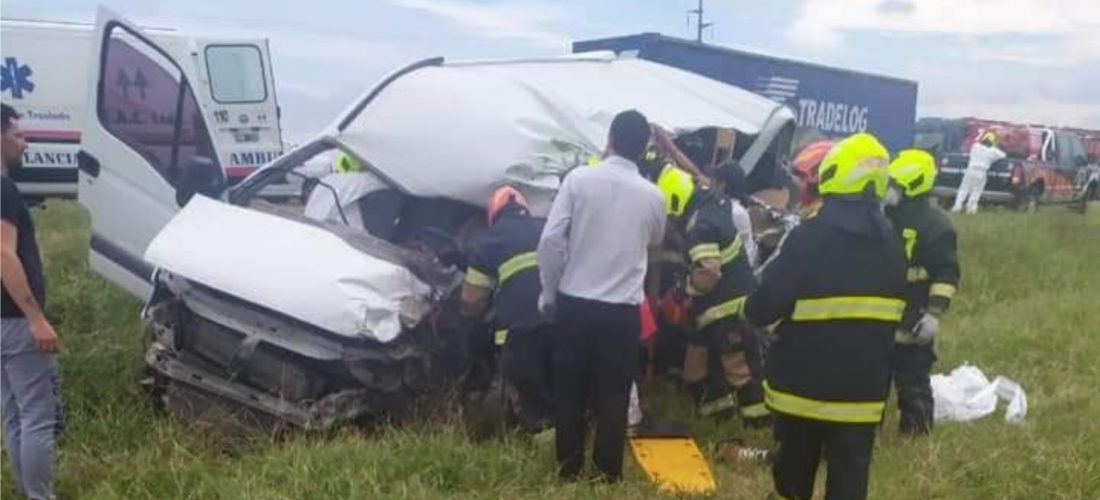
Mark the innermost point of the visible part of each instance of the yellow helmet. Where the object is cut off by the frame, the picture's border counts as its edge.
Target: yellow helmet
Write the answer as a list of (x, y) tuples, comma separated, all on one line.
[(989, 136), (915, 171), (854, 163), (677, 186), (344, 163)]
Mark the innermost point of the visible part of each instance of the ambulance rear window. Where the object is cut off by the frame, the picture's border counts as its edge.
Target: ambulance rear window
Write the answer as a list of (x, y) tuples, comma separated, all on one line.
[(236, 74)]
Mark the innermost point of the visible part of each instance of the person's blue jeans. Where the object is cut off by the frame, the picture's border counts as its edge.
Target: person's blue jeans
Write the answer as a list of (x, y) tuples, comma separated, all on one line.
[(31, 407)]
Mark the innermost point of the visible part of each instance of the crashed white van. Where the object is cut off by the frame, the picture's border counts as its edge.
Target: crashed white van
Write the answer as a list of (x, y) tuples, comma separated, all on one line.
[(314, 323)]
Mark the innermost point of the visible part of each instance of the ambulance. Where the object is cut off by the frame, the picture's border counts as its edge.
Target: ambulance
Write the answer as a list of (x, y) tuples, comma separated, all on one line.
[(44, 67)]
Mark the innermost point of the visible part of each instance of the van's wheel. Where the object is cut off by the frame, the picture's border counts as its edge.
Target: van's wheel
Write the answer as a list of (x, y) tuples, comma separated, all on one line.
[(1091, 193)]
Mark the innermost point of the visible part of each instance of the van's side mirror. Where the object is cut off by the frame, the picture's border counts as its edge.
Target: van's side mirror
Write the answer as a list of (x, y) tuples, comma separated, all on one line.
[(200, 175)]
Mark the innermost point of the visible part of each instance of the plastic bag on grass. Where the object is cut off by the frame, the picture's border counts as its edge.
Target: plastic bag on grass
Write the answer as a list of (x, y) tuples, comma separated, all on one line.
[(966, 394)]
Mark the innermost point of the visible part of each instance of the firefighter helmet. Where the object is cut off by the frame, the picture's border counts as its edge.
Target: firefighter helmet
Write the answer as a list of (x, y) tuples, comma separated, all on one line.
[(989, 138), (677, 187), (344, 163), (854, 164), (807, 160), (914, 170), (501, 198)]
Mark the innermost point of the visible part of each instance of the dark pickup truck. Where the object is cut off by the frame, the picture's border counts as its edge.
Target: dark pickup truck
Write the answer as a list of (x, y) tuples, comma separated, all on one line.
[(1005, 184)]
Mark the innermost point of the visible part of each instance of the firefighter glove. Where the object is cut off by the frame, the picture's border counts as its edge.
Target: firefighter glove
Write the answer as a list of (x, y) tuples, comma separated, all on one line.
[(926, 329)]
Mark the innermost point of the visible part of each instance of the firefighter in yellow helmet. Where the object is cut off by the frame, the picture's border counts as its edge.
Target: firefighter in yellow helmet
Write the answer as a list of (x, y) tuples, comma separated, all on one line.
[(837, 292), (722, 354), (930, 249)]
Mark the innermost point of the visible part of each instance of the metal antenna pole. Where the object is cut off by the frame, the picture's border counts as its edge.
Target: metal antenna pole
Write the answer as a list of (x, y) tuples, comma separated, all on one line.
[(701, 24)]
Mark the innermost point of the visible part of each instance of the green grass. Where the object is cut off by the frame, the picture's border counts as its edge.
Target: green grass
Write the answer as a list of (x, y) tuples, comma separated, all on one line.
[(1028, 309)]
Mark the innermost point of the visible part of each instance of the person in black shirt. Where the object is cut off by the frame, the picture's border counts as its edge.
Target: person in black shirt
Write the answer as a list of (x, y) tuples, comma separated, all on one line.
[(31, 397)]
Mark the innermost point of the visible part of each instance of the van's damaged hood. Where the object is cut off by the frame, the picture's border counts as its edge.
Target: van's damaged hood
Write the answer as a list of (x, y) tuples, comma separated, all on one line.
[(305, 272), (456, 130)]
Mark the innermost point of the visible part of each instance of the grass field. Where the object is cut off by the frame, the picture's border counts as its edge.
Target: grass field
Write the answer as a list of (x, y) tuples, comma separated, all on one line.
[(1028, 309)]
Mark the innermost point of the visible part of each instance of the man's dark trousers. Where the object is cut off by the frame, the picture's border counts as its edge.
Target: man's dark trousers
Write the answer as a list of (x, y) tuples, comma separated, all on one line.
[(595, 359), (803, 442)]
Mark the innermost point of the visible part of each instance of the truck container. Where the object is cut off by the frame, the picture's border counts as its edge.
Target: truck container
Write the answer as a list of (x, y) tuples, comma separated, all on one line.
[(833, 101)]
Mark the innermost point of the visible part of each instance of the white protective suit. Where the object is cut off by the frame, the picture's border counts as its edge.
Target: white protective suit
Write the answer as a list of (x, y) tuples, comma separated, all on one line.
[(349, 187), (973, 181)]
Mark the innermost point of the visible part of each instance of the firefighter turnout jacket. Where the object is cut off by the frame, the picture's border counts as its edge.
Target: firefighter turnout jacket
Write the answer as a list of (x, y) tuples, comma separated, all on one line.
[(930, 250), (837, 291), (712, 236), (504, 261)]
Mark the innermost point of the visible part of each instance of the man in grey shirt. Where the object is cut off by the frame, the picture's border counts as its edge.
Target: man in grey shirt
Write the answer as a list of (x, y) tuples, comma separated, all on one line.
[(593, 257)]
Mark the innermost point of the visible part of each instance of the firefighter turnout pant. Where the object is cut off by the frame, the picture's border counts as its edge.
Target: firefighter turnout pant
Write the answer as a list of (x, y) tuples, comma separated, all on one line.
[(802, 443), (911, 367), (723, 358), (525, 360), (595, 347)]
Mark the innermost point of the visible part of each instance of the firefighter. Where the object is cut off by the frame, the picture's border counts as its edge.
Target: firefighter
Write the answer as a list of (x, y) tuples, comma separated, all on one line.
[(837, 292), (929, 242), (503, 269), (729, 178), (805, 171), (721, 351)]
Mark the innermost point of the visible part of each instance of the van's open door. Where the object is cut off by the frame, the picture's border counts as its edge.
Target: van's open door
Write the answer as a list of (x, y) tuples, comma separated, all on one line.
[(238, 85), (140, 136)]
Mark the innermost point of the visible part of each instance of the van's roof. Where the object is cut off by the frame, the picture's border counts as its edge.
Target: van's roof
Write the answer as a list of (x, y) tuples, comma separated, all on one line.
[(455, 129), (72, 25)]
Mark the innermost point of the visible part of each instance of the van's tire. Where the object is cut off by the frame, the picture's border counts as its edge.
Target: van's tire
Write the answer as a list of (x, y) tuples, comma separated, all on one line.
[(1090, 193)]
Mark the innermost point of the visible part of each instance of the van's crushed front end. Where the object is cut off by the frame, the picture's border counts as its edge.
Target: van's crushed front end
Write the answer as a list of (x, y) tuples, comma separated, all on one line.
[(313, 329)]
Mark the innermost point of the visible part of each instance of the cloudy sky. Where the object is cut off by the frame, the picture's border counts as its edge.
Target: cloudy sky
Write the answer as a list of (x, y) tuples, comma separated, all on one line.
[(1025, 60)]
